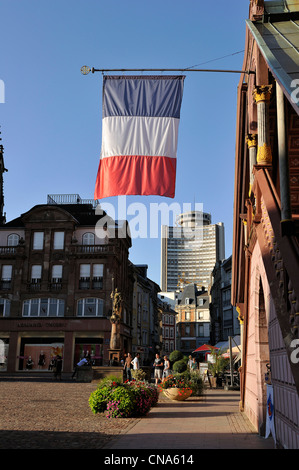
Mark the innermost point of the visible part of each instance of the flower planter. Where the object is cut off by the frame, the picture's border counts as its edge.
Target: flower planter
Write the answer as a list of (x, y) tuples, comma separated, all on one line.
[(177, 394)]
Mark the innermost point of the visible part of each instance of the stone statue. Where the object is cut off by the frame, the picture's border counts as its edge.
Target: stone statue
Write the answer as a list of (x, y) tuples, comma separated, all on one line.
[(115, 319)]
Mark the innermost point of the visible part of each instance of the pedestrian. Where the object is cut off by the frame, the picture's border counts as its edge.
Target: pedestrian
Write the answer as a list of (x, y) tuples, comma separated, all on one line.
[(135, 362), (166, 370), (194, 365), (190, 363), (158, 365), (58, 367), (82, 362), (127, 367)]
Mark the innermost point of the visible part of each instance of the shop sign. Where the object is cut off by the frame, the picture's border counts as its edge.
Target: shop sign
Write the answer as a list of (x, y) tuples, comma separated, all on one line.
[(41, 325)]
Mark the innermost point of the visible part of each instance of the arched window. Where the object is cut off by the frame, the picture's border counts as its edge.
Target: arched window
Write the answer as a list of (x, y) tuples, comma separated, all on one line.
[(90, 307), (88, 238), (13, 239)]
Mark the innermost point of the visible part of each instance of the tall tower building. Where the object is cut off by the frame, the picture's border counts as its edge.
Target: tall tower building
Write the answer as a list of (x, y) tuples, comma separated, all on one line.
[(190, 250)]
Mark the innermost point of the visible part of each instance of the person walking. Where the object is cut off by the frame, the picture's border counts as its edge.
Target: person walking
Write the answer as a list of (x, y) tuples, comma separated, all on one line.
[(166, 370), (58, 367), (127, 367), (135, 362), (158, 365)]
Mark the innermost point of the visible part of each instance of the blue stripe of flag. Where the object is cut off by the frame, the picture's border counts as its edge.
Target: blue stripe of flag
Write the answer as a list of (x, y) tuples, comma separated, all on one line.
[(151, 96)]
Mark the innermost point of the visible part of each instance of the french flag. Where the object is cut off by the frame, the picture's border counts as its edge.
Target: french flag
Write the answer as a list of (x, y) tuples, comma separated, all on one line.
[(139, 135)]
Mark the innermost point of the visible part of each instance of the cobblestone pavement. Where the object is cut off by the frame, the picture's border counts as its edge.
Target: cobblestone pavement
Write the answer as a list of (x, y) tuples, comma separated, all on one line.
[(53, 415), (56, 415)]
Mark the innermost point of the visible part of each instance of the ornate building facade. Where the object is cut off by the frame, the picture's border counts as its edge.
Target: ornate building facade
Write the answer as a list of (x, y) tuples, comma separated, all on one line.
[(59, 263), (193, 318), (265, 267)]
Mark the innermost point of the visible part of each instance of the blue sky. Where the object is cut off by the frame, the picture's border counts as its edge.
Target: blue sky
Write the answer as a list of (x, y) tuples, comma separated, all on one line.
[(51, 117)]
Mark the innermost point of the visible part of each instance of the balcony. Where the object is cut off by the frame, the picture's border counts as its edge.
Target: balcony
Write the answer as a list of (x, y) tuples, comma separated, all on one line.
[(55, 285), (86, 250), (87, 283), (5, 284), (8, 250)]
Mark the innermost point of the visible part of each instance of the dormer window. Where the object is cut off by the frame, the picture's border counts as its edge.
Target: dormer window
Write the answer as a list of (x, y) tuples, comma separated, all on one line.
[(13, 239)]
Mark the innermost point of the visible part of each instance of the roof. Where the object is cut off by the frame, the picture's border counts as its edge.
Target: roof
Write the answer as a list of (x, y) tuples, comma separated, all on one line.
[(281, 6), (192, 293), (278, 40)]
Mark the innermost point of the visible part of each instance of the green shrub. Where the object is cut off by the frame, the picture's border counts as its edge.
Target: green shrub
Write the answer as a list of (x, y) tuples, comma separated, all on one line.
[(123, 400), (179, 366), (197, 383), (126, 400), (109, 381), (99, 398), (138, 374), (175, 356)]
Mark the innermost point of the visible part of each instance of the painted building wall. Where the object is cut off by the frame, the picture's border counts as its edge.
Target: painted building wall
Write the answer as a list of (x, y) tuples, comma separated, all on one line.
[(265, 345)]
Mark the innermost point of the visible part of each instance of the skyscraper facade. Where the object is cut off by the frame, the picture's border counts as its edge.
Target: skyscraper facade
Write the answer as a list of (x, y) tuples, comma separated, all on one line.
[(189, 250)]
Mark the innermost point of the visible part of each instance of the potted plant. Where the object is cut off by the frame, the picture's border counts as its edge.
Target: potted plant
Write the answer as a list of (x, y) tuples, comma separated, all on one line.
[(176, 387), (217, 366)]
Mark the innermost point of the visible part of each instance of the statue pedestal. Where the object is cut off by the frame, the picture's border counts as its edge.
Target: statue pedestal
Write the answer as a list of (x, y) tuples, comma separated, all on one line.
[(114, 356)]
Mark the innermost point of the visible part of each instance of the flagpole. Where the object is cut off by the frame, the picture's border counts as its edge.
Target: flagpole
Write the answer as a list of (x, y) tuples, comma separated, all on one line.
[(85, 70)]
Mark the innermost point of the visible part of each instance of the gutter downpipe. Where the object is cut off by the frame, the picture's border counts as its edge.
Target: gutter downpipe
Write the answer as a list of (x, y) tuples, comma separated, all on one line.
[(286, 213)]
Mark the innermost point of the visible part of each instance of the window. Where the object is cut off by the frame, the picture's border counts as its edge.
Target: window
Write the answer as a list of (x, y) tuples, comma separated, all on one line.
[(90, 307), (58, 240), (4, 308), (57, 273), (38, 240), (187, 315), (6, 277), (88, 238), (36, 273), (97, 276), (94, 272), (13, 239), (84, 276), (144, 337), (43, 308)]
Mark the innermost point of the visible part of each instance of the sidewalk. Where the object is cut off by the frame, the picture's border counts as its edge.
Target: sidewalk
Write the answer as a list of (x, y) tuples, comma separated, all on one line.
[(209, 422)]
